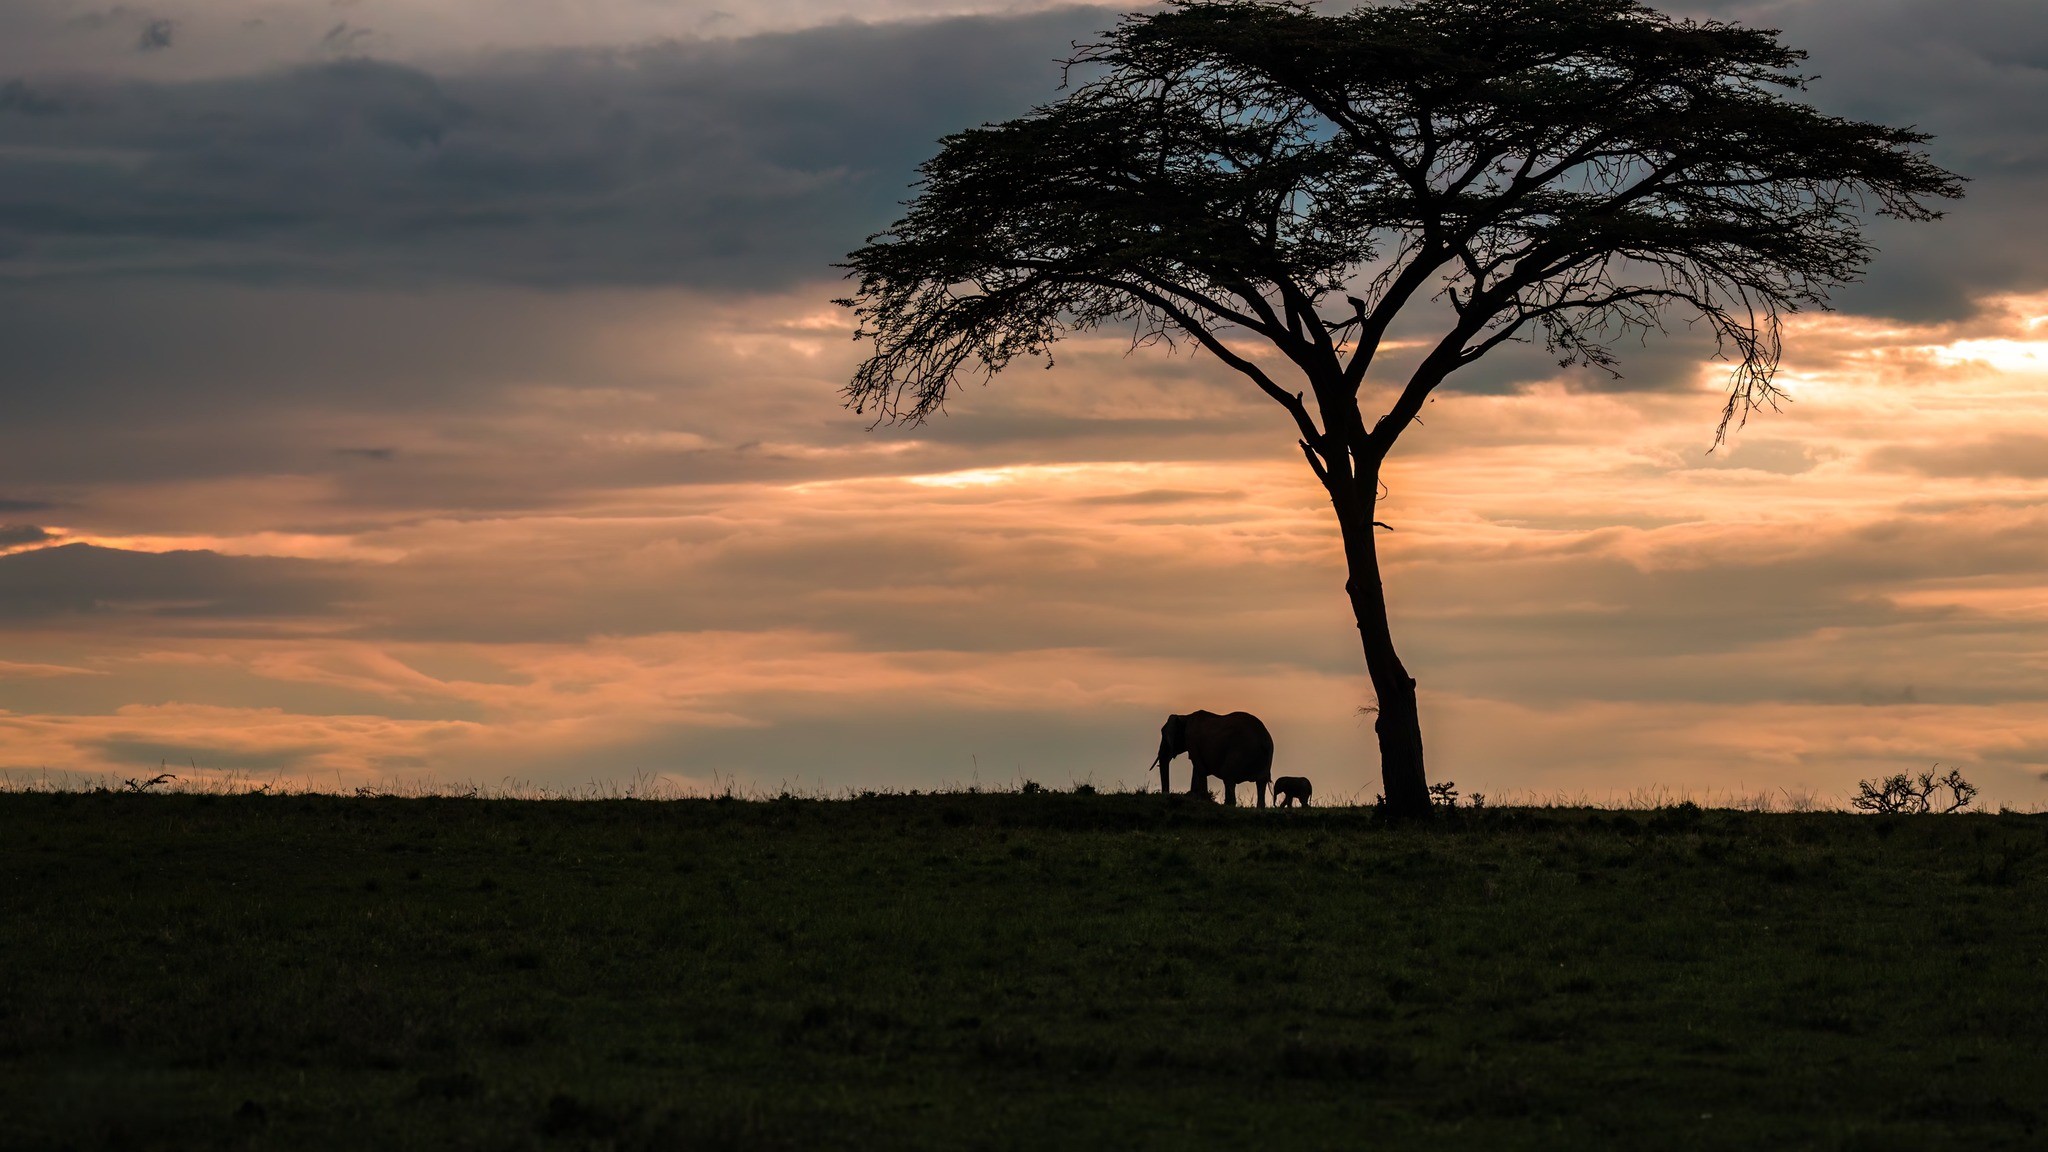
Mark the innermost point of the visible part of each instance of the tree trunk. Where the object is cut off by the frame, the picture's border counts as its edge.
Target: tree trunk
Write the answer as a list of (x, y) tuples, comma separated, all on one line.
[(1399, 722)]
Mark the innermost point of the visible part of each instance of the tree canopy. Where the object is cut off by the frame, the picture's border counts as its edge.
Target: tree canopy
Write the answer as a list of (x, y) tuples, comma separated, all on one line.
[(1253, 175)]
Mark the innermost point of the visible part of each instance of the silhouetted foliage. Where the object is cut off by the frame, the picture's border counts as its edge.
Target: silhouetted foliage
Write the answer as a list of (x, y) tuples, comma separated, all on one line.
[(1249, 174), (1682, 815), (1915, 794)]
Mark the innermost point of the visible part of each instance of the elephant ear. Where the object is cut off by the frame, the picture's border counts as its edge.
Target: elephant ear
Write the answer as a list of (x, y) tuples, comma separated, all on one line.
[(1173, 737)]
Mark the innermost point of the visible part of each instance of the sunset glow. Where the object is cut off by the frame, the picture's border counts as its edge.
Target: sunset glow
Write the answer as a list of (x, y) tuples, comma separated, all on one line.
[(346, 513)]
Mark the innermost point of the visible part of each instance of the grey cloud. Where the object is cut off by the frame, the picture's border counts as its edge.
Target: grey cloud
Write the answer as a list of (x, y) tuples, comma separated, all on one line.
[(348, 350), (1161, 496), (151, 752), (159, 683), (155, 35), (7, 505), (82, 579), (119, 16), (1784, 457), (15, 535), (754, 162), (150, 33), (444, 380), (2010, 455), (1817, 623), (1974, 73), (912, 748), (760, 161), (1971, 72), (16, 96), (935, 584), (1646, 362), (1812, 619), (344, 38)]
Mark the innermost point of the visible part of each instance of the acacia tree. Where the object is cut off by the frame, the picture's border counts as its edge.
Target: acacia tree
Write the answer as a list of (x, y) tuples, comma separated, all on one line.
[(1278, 185)]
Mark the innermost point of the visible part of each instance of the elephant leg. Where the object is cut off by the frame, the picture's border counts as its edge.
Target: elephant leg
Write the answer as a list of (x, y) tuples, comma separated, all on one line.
[(1230, 793), (1262, 793)]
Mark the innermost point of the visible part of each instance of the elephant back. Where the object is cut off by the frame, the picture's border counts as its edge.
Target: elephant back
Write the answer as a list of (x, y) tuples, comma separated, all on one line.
[(1235, 746)]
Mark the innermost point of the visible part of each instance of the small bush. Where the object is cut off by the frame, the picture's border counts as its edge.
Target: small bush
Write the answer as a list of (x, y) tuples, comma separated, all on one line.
[(1680, 817), (1912, 795)]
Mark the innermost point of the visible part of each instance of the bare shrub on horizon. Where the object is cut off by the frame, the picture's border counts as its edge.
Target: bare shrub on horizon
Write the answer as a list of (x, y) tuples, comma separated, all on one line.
[(1900, 794)]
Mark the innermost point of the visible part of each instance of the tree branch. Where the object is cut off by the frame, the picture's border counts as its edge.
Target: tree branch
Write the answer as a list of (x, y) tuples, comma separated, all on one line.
[(1208, 339)]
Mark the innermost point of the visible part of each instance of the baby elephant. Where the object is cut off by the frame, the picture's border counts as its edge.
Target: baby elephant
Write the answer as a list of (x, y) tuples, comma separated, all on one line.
[(1290, 791)]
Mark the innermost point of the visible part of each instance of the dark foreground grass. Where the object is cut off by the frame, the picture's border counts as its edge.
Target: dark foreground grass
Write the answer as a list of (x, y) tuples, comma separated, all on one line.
[(1011, 971)]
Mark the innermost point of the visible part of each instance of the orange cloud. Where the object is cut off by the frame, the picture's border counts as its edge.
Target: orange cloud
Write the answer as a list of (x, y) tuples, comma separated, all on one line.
[(681, 559)]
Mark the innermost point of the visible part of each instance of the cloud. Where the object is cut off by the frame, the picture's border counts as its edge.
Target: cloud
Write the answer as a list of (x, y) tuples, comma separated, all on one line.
[(237, 37), (71, 580), (497, 399), (1971, 72), (1161, 496), (15, 670), (751, 163), (17, 535), (757, 162), (155, 35), (16, 96), (209, 757), (344, 39), (476, 414), (2012, 454)]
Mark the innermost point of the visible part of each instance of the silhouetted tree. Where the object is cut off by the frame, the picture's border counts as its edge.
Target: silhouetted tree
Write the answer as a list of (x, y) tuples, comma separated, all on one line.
[(1254, 175)]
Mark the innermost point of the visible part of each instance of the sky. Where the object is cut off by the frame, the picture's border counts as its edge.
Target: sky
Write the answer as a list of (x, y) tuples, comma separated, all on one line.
[(420, 394)]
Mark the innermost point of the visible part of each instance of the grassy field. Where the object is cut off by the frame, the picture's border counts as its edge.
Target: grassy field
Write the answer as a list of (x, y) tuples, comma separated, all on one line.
[(1009, 971)]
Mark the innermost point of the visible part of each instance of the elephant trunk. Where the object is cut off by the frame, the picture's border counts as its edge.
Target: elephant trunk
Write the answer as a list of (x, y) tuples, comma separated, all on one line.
[(1166, 754)]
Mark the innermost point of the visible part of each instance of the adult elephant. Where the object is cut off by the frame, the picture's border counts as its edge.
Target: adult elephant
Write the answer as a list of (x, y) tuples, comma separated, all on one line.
[(1235, 748)]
